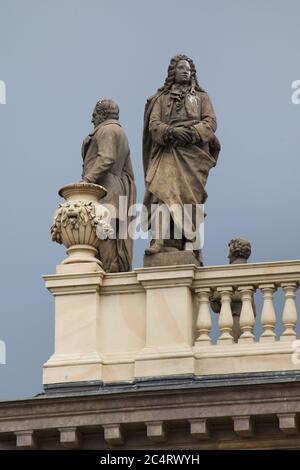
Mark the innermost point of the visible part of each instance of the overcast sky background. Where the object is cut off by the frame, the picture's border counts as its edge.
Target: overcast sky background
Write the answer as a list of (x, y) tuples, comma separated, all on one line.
[(59, 57)]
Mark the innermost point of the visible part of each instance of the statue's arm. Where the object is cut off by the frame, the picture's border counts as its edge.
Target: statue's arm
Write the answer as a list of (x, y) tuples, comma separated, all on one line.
[(208, 124), (159, 130), (106, 154)]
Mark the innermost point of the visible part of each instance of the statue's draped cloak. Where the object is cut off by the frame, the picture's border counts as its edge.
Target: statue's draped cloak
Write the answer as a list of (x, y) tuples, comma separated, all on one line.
[(106, 161), (178, 174)]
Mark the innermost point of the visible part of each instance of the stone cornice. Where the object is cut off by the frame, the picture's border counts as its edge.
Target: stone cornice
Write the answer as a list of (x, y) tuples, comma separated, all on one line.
[(169, 276), (121, 283), (252, 396), (74, 283)]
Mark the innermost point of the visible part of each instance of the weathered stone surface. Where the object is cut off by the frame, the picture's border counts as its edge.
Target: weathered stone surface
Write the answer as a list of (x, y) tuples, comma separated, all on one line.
[(106, 162), (25, 439), (199, 428), (77, 223), (288, 423), (113, 434), (239, 252), (156, 431), (69, 437), (171, 258), (179, 150), (243, 425), (145, 410)]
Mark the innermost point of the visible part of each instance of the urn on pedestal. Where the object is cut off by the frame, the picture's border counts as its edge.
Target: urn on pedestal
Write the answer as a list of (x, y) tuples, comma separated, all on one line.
[(81, 222)]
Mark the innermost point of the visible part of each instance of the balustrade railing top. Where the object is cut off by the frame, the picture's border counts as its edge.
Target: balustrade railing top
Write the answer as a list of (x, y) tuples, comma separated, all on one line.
[(230, 289)]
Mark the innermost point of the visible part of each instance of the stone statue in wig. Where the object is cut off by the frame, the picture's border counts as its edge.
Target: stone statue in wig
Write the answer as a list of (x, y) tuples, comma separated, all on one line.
[(179, 149)]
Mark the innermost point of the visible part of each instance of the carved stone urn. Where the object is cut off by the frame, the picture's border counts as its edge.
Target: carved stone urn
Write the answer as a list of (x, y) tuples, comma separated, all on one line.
[(81, 222)]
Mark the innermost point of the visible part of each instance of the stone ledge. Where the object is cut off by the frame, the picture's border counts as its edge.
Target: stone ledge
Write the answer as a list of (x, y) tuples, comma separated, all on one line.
[(243, 415), (188, 381)]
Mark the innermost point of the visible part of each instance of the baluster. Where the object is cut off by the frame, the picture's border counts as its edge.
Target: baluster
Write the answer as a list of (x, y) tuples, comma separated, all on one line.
[(225, 318), (203, 319), (289, 314), (268, 316), (247, 318)]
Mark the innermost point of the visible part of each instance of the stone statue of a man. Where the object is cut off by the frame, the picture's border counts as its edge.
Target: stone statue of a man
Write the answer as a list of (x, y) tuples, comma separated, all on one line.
[(239, 252), (106, 161), (179, 149)]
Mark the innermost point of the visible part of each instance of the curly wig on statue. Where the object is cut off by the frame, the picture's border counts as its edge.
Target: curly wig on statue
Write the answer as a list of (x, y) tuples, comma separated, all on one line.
[(170, 80)]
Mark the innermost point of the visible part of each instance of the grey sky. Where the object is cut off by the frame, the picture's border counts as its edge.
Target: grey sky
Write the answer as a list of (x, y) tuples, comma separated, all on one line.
[(58, 57)]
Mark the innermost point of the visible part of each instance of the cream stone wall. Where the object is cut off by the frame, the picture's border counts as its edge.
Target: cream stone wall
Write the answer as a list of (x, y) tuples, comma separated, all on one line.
[(156, 322)]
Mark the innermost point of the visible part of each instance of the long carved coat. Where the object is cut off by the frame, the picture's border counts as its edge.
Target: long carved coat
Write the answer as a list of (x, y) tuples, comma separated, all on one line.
[(106, 161), (178, 174)]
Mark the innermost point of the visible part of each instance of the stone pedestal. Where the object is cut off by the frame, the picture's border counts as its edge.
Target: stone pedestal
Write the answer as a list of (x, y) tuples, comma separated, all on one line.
[(77, 356), (171, 258), (76, 284), (170, 317)]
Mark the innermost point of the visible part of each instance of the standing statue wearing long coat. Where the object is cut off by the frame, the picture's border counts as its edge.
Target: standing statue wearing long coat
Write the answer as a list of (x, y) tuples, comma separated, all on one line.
[(179, 144), (106, 161)]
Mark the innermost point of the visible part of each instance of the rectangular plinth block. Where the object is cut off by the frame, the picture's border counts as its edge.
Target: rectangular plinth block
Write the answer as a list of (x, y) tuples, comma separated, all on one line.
[(25, 439), (171, 258)]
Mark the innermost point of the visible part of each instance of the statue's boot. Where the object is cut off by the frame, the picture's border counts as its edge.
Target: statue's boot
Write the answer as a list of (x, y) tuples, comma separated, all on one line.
[(157, 247)]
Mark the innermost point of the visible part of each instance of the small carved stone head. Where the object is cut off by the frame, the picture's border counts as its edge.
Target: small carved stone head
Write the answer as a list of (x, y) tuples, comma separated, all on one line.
[(239, 250), (105, 109)]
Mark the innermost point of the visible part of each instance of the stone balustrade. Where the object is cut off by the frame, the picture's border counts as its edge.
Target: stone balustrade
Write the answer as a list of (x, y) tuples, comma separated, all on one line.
[(158, 322), (268, 318)]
